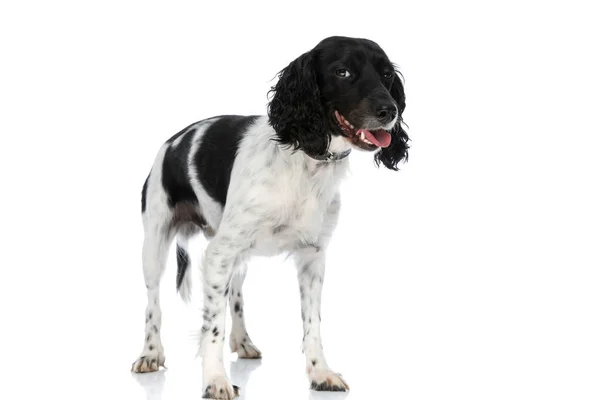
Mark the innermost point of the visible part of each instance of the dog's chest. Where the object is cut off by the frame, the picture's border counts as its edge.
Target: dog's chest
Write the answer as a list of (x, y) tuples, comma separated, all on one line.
[(297, 209)]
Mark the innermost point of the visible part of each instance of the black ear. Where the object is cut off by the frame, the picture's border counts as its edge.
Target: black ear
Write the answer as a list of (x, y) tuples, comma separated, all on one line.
[(296, 112), (398, 148)]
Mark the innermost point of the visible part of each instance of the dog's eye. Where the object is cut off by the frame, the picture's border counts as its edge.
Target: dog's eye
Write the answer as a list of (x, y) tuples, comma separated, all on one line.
[(342, 73), (388, 75)]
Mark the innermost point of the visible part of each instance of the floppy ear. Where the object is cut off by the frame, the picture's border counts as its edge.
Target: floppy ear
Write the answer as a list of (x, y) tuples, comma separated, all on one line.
[(296, 112), (398, 148)]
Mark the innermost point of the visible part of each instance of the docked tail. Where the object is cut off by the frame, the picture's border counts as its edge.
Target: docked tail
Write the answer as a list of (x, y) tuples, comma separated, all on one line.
[(184, 278)]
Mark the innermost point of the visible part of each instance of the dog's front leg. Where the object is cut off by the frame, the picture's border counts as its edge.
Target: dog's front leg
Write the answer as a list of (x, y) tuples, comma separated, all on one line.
[(223, 255), (311, 269)]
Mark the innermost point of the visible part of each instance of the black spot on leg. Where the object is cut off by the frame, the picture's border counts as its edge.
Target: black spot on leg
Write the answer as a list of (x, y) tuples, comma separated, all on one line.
[(237, 306), (314, 362), (215, 331), (279, 229), (226, 291), (305, 267), (214, 341), (210, 297), (310, 320), (150, 347), (150, 315), (154, 328), (148, 337), (215, 287)]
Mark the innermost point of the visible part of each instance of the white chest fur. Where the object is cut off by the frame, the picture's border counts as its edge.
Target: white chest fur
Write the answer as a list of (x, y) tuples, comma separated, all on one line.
[(279, 198)]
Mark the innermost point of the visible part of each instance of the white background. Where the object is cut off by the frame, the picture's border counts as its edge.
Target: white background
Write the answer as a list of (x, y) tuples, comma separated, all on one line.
[(472, 274)]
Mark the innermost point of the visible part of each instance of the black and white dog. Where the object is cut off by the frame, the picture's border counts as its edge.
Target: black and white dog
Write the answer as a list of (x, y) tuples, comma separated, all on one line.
[(265, 185)]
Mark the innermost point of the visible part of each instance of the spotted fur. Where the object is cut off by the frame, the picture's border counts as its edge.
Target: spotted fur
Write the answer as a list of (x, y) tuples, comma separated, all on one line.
[(255, 186)]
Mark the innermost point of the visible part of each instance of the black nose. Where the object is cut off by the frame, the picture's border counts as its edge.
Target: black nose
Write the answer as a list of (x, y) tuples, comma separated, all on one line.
[(386, 112)]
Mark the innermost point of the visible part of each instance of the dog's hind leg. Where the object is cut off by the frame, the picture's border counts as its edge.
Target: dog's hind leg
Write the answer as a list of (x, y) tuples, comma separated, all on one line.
[(239, 341), (158, 235)]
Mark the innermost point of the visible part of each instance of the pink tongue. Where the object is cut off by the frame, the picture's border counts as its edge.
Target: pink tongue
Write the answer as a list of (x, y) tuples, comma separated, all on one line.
[(379, 138)]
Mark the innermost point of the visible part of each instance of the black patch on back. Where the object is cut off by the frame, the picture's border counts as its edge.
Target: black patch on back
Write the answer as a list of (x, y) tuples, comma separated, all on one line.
[(144, 191), (175, 174), (217, 151)]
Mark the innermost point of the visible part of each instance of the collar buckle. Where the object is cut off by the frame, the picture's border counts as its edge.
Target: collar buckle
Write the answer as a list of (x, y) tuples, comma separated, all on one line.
[(329, 156)]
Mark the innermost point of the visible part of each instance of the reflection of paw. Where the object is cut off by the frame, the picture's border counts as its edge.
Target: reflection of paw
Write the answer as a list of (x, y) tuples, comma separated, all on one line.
[(327, 380), (220, 388), (153, 384), (243, 347), (149, 361)]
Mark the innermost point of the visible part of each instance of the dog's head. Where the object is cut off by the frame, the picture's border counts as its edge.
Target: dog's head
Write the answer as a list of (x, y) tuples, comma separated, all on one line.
[(343, 87)]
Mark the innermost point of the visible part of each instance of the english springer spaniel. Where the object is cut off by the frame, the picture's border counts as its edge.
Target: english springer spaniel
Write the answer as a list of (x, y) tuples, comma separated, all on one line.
[(265, 185)]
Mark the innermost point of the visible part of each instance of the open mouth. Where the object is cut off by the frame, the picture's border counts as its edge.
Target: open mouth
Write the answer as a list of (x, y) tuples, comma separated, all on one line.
[(364, 138)]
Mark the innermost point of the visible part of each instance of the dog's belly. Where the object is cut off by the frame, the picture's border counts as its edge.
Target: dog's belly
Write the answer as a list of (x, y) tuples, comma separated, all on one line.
[(269, 244)]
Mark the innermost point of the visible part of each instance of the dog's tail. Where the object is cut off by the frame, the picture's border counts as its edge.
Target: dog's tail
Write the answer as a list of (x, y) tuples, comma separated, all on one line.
[(184, 278)]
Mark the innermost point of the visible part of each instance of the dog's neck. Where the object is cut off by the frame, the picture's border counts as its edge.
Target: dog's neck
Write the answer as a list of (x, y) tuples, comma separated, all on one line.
[(339, 148)]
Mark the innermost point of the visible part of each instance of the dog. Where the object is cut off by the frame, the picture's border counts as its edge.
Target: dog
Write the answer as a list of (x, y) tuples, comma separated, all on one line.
[(266, 185)]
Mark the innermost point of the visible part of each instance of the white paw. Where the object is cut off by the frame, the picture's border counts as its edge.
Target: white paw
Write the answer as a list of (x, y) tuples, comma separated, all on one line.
[(326, 380), (220, 388), (150, 360), (243, 347)]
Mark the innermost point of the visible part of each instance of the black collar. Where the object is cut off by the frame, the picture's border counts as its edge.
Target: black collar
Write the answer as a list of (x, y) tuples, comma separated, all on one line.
[(329, 156)]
